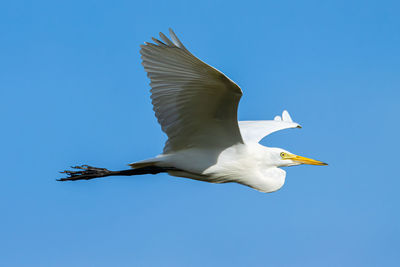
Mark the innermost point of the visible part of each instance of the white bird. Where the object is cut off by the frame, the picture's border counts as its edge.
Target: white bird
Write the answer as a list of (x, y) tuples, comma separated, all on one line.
[(196, 106)]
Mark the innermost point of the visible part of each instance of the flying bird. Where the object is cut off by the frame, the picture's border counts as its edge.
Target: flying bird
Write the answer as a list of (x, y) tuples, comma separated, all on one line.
[(196, 106)]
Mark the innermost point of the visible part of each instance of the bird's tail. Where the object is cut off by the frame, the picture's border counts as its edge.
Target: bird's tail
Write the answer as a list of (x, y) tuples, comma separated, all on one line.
[(145, 163)]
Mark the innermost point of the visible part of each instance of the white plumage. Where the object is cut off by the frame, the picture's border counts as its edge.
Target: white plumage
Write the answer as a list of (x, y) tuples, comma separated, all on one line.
[(196, 106)]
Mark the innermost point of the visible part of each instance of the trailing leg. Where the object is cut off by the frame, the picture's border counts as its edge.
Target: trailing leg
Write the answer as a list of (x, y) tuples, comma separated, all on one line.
[(86, 172)]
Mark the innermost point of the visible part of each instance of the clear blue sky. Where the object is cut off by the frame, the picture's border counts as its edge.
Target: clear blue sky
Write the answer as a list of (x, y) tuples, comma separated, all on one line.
[(72, 91)]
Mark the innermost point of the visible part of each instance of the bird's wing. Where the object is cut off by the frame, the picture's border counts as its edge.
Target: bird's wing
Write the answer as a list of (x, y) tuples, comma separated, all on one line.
[(254, 131), (195, 104)]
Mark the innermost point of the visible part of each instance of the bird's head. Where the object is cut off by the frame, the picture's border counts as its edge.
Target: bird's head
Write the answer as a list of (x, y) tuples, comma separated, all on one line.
[(283, 158)]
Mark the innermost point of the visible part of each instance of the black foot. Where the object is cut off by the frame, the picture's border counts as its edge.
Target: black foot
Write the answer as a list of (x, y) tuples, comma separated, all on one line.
[(85, 172)]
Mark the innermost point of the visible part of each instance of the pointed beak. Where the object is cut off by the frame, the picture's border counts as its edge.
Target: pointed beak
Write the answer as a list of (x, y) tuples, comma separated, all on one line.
[(304, 160)]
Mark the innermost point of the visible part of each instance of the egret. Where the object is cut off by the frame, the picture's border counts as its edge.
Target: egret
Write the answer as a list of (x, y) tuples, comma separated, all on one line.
[(196, 106)]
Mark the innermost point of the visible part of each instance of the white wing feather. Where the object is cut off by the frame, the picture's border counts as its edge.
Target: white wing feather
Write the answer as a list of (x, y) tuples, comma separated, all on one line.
[(195, 104), (255, 131)]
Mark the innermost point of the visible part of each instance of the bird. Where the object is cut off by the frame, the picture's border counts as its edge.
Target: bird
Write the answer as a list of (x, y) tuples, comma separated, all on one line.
[(196, 106)]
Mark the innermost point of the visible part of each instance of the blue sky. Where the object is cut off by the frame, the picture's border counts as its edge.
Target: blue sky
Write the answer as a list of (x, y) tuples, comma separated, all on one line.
[(72, 91)]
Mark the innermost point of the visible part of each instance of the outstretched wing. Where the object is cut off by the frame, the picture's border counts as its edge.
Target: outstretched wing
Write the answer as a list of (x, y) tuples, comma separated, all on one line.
[(195, 104), (254, 131)]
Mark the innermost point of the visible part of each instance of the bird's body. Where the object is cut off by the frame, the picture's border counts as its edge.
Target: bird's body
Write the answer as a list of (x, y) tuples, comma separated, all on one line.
[(249, 164), (241, 163), (196, 106)]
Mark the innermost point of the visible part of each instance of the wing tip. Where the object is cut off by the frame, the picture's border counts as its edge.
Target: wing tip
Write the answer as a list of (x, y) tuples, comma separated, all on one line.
[(166, 41), (286, 116)]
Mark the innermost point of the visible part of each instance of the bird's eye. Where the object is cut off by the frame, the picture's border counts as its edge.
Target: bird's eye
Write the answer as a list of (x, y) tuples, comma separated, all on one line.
[(283, 154)]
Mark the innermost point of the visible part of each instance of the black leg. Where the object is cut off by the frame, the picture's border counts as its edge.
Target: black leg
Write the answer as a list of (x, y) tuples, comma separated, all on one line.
[(86, 172)]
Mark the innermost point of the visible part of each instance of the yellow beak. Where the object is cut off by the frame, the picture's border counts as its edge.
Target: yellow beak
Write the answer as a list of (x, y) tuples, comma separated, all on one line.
[(304, 160)]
